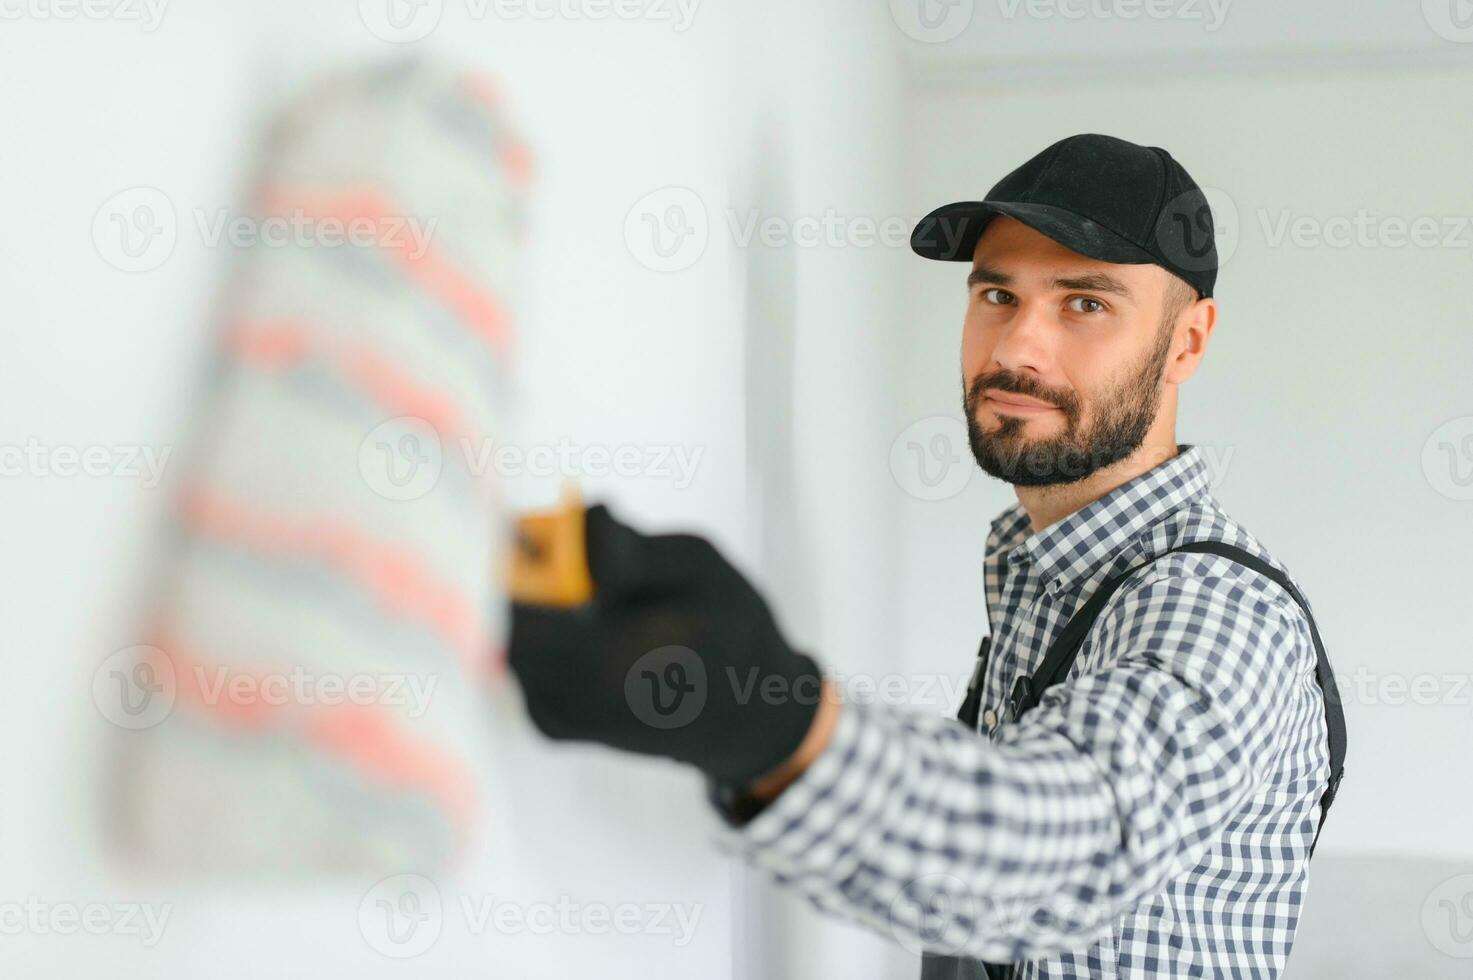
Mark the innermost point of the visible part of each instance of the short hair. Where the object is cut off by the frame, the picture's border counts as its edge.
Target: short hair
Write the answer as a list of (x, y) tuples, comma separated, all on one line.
[(1179, 295)]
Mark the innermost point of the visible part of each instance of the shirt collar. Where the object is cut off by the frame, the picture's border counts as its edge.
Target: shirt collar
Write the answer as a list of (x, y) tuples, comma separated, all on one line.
[(1070, 549)]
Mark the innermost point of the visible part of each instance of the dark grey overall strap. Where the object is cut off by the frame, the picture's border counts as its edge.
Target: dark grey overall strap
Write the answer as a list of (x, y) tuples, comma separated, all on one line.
[(1055, 667), (971, 708), (935, 967)]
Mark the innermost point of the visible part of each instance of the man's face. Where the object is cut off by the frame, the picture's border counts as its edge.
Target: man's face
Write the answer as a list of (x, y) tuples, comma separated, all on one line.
[(1062, 356)]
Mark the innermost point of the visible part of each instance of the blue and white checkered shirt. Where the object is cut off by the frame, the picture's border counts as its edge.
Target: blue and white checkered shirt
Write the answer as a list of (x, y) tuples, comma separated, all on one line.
[(1152, 817)]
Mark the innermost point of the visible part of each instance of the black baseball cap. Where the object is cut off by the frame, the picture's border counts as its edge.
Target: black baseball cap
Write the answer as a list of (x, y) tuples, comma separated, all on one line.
[(1100, 196)]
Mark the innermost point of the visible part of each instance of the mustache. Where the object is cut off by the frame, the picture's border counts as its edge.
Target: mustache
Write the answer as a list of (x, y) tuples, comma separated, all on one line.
[(1018, 384)]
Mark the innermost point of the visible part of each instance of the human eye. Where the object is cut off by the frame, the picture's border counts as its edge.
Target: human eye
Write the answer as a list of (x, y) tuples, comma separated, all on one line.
[(996, 296), (1089, 304)]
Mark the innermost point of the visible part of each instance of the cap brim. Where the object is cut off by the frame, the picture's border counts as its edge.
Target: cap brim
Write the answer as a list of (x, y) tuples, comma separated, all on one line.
[(951, 232)]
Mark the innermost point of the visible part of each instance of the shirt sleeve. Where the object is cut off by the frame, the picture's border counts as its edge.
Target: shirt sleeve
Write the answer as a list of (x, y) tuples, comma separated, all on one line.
[(1031, 845)]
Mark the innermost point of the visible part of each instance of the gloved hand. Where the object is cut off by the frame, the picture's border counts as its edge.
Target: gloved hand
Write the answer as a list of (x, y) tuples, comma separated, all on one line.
[(676, 655)]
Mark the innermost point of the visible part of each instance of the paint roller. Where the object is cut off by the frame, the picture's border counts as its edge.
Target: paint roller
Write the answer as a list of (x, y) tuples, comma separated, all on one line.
[(327, 529)]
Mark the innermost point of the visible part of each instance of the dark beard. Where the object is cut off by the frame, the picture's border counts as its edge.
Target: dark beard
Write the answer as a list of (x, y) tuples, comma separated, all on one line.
[(1123, 418)]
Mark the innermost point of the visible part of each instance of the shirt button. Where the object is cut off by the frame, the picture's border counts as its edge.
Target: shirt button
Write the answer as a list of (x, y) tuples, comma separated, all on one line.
[(989, 718)]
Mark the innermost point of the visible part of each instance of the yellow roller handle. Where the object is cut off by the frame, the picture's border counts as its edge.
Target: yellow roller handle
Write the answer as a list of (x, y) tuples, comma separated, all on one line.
[(547, 564)]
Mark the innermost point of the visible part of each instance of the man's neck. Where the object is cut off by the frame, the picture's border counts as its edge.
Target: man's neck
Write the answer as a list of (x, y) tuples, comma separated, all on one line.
[(1047, 505)]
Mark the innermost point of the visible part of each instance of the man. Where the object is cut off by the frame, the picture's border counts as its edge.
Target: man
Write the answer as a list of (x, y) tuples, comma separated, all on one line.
[(1146, 787)]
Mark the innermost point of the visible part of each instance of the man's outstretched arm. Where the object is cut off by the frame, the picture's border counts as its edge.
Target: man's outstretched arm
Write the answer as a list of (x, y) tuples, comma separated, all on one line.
[(1115, 784), (921, 829)]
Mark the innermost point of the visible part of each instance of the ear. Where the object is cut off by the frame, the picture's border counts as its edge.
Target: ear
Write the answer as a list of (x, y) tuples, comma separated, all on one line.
[(1193, 330)]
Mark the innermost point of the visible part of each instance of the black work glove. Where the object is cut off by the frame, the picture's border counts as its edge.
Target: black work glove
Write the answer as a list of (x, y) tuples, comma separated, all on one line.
[(676, 655)]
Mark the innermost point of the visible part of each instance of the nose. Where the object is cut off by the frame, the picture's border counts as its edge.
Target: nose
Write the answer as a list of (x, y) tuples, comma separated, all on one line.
[(1025, 342)]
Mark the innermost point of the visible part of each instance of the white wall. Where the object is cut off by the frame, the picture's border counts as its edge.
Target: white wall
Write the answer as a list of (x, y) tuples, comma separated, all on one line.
[(616, 353), (822, 356)]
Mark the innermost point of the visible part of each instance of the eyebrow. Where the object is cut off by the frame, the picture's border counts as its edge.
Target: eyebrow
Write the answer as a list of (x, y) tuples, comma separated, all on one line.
[(1097, 282)]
